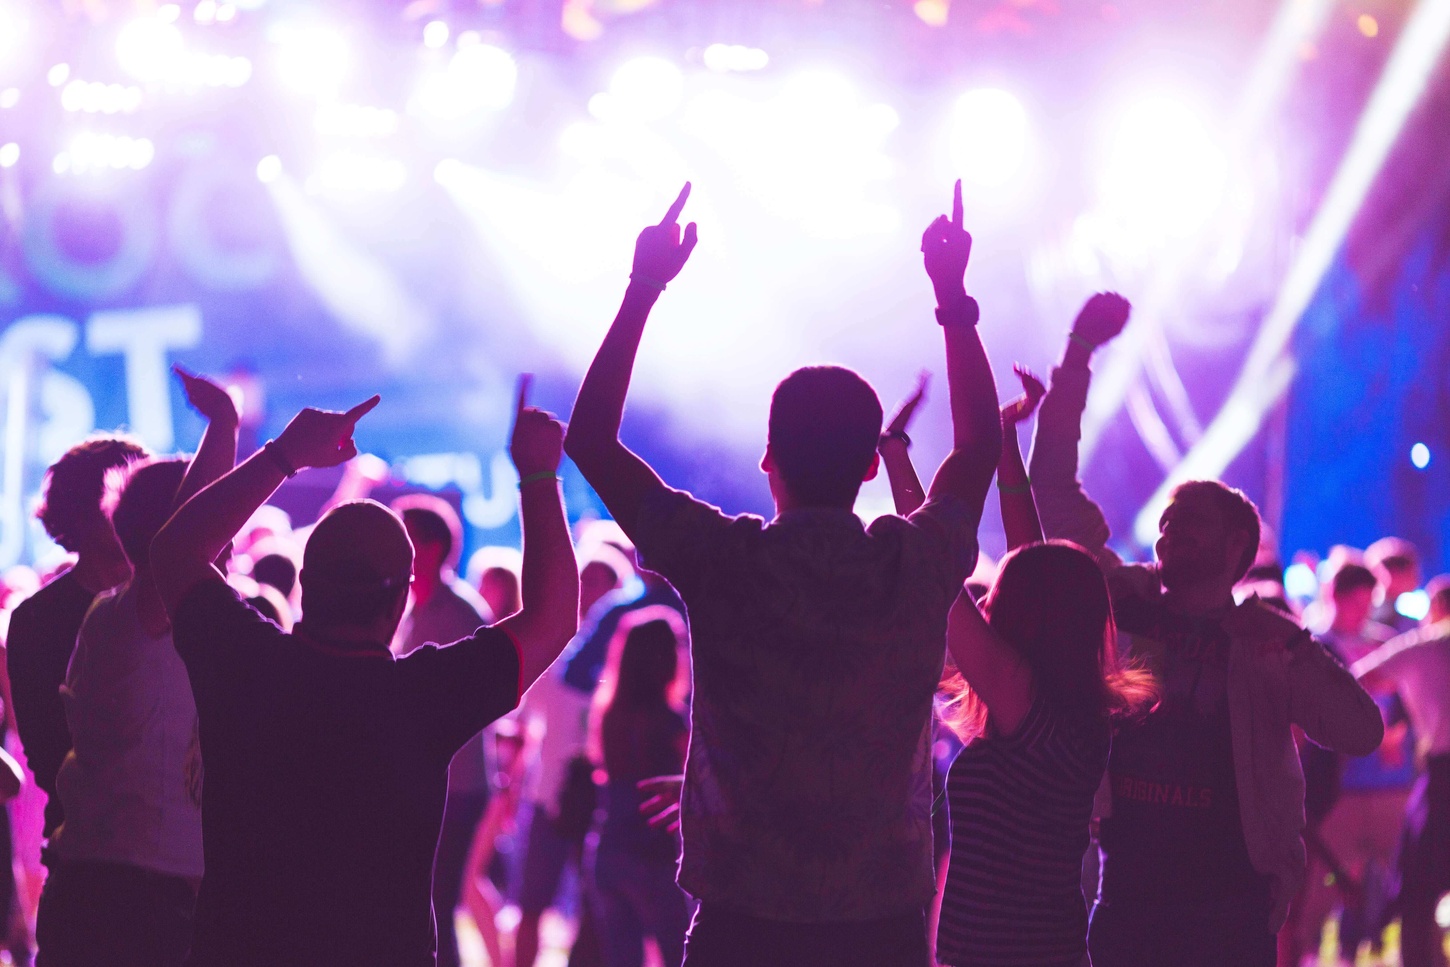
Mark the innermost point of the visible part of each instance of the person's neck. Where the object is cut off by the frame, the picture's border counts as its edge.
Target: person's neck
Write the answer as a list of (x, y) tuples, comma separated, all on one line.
[(784, 503), (1344, 625), (362, 641), (1199, 599), (101, 570)]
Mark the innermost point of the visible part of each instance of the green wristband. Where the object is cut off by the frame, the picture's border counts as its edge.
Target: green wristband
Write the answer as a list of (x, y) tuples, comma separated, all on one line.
[(1087, 344), (535, 477)]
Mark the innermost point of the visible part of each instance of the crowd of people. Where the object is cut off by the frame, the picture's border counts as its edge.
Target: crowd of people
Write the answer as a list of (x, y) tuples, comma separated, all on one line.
[(713, 739)]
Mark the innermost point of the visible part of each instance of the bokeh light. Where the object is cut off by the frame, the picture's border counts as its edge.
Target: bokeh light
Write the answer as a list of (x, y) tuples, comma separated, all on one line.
[(989, 135)]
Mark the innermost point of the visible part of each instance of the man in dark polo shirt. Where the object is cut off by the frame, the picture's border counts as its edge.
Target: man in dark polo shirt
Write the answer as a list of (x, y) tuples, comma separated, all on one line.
[(817, 642), (327, 758)]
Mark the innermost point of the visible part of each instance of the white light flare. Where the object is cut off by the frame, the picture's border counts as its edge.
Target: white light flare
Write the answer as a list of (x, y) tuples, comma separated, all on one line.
[(988, 137), (312, 59), (1267, 373), (1165, 174), (480, 77), (643, 89)]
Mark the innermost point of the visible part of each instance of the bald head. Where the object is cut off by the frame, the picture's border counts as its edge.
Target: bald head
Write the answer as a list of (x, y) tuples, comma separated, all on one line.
[(356, 568)]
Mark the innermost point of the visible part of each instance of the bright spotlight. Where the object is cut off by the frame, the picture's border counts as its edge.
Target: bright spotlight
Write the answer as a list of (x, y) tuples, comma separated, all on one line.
[(1420, 456), (89, 152), (1165, 174), (349, 171), (435, 34), (9, 97), (269, 169), (1300, 581), (312, 60), (9, 155), (1414, 605), (147, 49), (988, 137), (724, 58), (479, 77), (646, 88)]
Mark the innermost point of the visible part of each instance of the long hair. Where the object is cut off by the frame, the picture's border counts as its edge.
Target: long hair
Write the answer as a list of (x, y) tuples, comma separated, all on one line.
[(641, 673), (1050, 602)]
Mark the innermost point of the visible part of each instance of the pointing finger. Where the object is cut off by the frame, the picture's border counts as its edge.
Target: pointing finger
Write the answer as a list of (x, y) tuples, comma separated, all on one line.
[(673, 215), (363, 408), (957, 214), (525, 381)]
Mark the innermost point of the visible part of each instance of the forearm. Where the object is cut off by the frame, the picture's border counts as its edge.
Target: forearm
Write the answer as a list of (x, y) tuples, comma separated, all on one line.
[(196, 534), (906, 489), (1019, 508), (215, 455), (599, 408), (1064, 508), (550, 578), (976, 420)]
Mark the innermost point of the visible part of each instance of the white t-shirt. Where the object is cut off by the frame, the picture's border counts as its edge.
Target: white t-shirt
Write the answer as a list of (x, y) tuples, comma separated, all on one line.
[(131, 786), (1418, 662)]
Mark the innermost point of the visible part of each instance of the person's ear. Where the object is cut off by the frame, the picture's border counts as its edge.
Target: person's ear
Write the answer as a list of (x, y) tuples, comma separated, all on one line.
[(767, 462), (872, 470)]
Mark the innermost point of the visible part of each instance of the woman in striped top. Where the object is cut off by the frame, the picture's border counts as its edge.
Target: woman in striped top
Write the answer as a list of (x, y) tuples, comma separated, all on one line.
[(1035, 694)]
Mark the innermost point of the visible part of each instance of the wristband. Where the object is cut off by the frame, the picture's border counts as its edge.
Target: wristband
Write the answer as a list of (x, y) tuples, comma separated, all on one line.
[(894, 435), (274, 453), (535, 477), (1022, 488), (1085, 343), (645, 280), (973, 312)]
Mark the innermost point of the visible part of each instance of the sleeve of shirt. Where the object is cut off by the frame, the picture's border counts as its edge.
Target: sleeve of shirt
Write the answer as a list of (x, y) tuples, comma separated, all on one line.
[(468, 684), (676, 535), (950, 524), (210, 623)]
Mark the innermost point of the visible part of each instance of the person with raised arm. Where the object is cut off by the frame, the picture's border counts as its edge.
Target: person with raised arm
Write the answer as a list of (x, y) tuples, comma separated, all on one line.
[(326, 757), (128, 856), (1201, 847), (817, 642)]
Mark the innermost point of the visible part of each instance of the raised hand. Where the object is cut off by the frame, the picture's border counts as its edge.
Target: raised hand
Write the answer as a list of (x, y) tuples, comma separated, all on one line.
[(537, 443), (662, 808), (906, 409), (322, 438), (1021, 408), (946, 247), (661, 251), (1102, 317), (206, 397)]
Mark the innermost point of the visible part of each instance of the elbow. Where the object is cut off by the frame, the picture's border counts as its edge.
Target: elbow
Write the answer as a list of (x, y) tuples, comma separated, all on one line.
[(582, 446)]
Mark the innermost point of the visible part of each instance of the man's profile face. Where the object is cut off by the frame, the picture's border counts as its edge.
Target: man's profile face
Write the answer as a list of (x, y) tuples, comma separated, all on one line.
[(427, 555), (1193, 542)]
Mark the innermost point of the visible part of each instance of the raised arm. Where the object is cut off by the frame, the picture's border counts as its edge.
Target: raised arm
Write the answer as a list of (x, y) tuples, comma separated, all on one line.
[(994, 669), (215, 455), (550, 583), (621, 478), (1065, 508), (184, 549), (906, 491), (976, 428), (1014, 489)]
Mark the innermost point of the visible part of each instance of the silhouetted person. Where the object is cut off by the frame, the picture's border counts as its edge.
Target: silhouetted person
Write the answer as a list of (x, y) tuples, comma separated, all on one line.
[(43, 627), (326, 757), (1201, 851), (817, 642)]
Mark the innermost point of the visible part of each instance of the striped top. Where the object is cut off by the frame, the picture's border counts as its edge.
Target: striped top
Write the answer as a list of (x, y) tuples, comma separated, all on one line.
[(1020, 809)]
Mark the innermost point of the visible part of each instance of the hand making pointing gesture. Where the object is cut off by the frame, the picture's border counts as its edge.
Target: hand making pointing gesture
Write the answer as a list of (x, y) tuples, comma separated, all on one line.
[(660, 251), (322, 438), (537, 443), (946, 248)]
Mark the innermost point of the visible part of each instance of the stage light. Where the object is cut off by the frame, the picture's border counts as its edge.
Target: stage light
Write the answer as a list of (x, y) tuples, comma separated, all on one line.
[(96, 98), (349, 171), (311, 59), (9, 155), (479, 77), (354, 120), (1368, 25), (435, 34), (934, 13), (9, 97), (205, 12), (1165, 173), (1267, 372), (89, 152), (168, 13), (148, 49), (1414, 605), (644, 89), (1300, 581), (724, 58), (1420, 456), (58, 75), (269, 169), (989, 132)]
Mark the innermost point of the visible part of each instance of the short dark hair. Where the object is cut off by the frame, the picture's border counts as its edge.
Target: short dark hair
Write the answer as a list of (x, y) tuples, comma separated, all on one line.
[(1394, 554), (345, 582), (825, 422), (1238, 512), (434, 520), (144, 499), (1351, 577), (76, 484), (276, 570)]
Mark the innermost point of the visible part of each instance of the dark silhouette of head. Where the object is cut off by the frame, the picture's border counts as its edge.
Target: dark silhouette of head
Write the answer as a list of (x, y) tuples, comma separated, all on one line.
[(1208, 533), (1050, 602), (75, 486), (1352, 592), (144, 498), (277, 570), (825, 422), (648, 662), (435, 530), (355, 573)]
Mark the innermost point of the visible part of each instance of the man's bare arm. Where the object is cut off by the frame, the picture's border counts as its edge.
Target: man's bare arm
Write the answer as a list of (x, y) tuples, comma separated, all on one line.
[(621, 478)]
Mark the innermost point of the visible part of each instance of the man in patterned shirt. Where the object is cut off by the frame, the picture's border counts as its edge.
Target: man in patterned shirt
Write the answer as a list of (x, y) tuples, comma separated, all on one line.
[(817, 642)]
